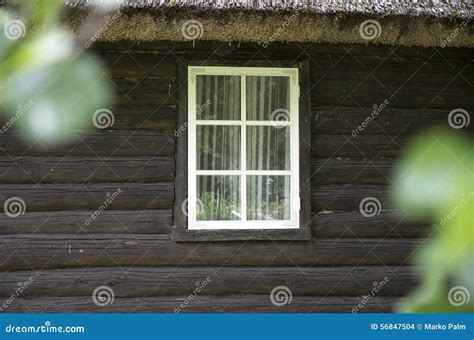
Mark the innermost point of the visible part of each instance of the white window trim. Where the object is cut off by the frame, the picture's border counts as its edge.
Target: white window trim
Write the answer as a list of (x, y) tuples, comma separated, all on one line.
[(294, 222)]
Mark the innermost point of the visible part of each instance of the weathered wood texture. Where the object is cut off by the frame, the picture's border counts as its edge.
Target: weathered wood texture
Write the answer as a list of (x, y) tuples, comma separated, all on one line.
[(393, 224), (20, 252), (134, 282), (128, 246), (203, 304)]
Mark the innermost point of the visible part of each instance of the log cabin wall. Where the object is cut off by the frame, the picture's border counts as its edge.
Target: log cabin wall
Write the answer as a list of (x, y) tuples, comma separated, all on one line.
[(128, 247)]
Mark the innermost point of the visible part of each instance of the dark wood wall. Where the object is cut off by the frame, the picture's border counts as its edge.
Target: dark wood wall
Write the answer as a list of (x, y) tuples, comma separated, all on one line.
[(128, 247)]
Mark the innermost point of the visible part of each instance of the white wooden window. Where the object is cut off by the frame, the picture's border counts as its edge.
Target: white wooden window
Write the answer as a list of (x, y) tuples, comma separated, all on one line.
[(243, 148)]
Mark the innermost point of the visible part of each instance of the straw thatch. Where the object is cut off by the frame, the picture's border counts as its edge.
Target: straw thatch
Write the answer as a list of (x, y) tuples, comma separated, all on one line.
[(437, 8), (415, 24)]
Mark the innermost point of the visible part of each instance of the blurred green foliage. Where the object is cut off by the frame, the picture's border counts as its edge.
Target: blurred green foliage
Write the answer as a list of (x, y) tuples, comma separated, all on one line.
[(436, 178), (49, 87)]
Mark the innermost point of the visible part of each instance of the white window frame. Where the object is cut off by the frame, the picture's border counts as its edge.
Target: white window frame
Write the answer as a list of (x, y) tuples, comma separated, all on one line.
[(294, 222)]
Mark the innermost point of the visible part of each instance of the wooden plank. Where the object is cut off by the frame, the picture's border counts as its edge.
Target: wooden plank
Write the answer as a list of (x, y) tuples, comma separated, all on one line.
[(347, 197), (352, 93), (104, 144), (39, 169), (181, 179), (334, 120), (53, 197), (330, 146), (112, 222), (203, 304), (162, 119), (19, 252), (335, 225), (352, 170), (289, 50), (305, 147), (387, 224), (363, 146), (139, 65), (139, 281), (392, 69)]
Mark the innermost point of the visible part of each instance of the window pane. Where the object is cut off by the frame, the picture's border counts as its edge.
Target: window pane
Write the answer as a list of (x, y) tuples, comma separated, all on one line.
[(268, 98), (218, 198), (268, 148), (218, 147), (218, 97), (268, 197)]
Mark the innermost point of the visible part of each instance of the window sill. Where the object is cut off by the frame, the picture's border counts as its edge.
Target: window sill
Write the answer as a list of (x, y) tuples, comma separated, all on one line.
[(180, 234)]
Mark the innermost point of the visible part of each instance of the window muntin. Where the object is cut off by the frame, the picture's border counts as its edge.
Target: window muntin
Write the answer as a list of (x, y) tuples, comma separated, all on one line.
[(243, 144)]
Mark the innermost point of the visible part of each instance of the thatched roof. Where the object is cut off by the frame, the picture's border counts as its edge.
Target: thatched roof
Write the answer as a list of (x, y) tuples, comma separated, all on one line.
[(428, 23), (436, 8)]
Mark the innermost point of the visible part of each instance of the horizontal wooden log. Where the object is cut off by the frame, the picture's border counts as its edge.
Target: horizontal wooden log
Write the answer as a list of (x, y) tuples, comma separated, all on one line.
[(347, 93), (203, 304), (49, 197), (19, 252), (138, 281), (74, 222), (363, 146), (392, 69), (284, 49), (386, 224), (329, 225), (54, 197), (104, 144), (347, 197), (356, 121), (42, 169), (352, 170), (153, 98), (139, 65), (162, 120)]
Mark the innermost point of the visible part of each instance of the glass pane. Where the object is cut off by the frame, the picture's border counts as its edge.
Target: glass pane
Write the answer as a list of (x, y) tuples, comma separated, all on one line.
[(268, 148), (218, 198), (268, 197), (218, 147), (218, 97), (268, 98)]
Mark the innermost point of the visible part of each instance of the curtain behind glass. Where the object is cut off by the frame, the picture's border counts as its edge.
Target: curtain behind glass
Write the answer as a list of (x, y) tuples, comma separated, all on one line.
[(218, 147)]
